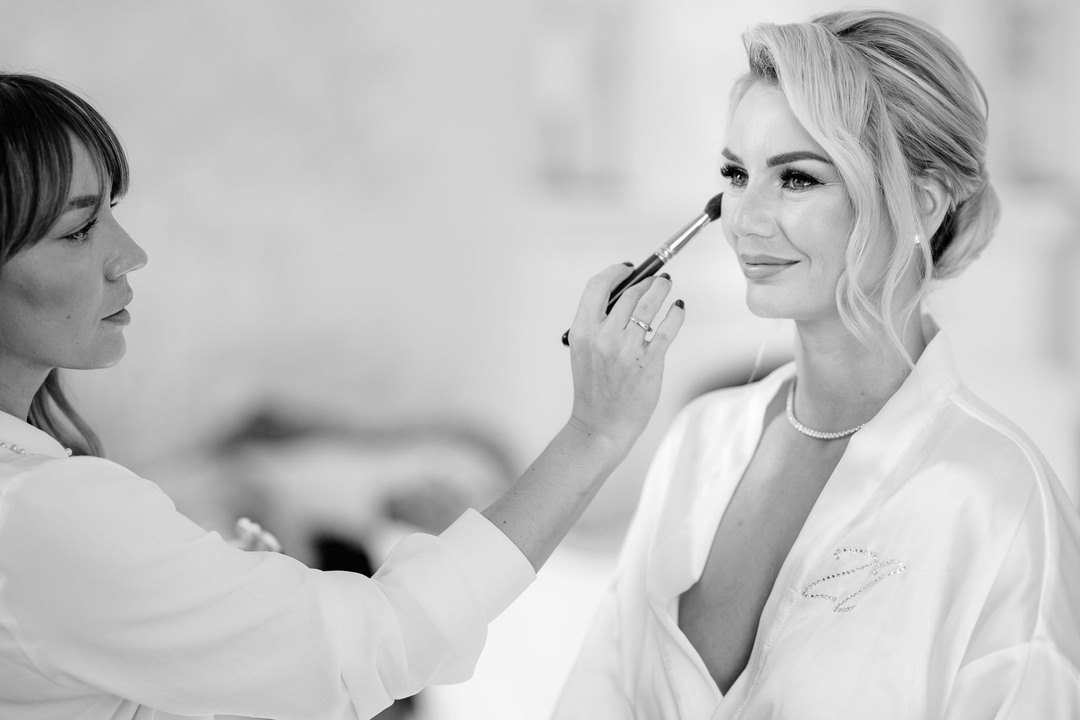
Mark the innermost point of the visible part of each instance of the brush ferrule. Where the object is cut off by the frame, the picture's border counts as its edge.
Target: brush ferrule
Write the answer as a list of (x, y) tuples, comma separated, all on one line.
[(672, 246)]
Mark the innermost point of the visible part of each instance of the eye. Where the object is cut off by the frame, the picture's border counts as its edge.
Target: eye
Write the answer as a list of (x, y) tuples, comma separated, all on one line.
[(734, 174), (82, 234), (797, 180)]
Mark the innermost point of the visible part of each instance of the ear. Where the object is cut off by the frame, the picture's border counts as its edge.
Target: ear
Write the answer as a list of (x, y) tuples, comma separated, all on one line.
[(933, 202)]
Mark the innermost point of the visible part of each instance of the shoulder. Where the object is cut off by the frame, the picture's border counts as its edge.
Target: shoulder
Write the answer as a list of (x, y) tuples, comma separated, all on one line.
[(700, 423), (990, 468), (707, 430), (1019, 515), (45, 498), (975, 439), (83, 481), (728, 406), (718, 403)]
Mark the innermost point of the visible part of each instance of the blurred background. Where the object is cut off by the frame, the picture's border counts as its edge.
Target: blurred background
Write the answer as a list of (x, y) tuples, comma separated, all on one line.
[(369, 224)]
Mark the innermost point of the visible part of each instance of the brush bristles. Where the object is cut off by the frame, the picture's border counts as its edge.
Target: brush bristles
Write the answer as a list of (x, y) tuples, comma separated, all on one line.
[(712, 209)]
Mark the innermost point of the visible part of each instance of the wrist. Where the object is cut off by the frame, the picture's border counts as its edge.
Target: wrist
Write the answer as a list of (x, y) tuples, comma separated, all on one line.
[(613, 444)]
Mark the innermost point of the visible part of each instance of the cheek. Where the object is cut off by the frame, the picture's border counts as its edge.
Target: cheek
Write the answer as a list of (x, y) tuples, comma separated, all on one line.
[(47, 301), (829, 248), (822, 237), (48, 309), (725, 226)]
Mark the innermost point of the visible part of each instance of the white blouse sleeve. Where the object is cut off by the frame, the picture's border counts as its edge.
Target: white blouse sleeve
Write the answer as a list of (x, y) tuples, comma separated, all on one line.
[(1023, 656), (108, 588)]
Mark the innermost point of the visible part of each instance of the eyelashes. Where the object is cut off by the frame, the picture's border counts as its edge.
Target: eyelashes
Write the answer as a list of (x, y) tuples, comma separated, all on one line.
[(790, 178), (82, 233), (733, 174), (797, 179)]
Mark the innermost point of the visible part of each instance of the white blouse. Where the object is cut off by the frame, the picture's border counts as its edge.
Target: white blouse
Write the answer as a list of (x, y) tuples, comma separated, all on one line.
[(114, 606), (937, 576)]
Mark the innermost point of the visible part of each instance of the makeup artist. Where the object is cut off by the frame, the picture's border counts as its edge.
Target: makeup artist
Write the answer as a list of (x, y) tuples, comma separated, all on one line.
[(114, 606), (856, 535)]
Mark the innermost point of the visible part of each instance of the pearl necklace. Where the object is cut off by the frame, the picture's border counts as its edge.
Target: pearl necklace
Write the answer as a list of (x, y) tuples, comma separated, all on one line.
[(23, 451), (14, 448), (810, 432)]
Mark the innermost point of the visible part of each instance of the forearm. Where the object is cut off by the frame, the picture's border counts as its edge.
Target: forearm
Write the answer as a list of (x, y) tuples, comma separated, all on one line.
[(541, 507), (617, 375)]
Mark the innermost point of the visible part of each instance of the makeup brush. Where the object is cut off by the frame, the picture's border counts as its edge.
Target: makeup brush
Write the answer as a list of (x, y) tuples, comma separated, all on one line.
[(664, 253)]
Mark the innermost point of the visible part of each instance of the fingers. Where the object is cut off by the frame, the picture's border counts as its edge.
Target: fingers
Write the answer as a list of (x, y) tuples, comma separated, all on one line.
[(251, 536), (594, 299), (632, 316), (642, 301), (667, 330), (617, 372)]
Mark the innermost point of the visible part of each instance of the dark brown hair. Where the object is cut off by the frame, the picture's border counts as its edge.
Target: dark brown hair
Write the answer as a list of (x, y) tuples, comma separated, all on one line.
[(38, 121)]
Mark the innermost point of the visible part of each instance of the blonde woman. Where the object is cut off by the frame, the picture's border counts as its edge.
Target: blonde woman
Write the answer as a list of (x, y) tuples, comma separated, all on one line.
[(856, 535)]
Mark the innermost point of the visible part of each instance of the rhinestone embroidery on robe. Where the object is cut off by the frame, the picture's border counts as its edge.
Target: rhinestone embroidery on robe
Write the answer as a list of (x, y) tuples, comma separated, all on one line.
[(878, 571)]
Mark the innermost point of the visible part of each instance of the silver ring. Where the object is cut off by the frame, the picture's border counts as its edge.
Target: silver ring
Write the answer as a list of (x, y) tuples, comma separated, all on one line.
[(643, 325)]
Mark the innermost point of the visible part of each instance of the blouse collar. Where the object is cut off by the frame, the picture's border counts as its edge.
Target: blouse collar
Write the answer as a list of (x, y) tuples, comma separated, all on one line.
[(19, 433)]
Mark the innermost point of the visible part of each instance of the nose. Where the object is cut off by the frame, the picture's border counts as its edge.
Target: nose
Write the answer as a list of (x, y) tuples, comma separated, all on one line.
[(751, 211), (126, 257)]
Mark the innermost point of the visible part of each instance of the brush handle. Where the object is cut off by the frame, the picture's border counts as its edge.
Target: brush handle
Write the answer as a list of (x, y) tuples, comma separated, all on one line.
[(645, 270), (666, 251)]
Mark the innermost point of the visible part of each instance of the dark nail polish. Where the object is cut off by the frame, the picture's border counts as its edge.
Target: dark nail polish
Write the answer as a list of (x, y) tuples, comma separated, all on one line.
[(680, 304), (628, 264), (665, 276)]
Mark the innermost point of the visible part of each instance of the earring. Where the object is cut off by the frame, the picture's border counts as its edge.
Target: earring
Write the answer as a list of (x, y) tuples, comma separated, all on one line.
[(918, 240)]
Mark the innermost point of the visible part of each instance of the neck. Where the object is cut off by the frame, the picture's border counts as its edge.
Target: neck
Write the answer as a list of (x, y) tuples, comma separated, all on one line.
[(18, 385), (841, 382)]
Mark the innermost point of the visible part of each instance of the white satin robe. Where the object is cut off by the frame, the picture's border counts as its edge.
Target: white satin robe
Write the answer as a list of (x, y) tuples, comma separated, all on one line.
[(937, 576)]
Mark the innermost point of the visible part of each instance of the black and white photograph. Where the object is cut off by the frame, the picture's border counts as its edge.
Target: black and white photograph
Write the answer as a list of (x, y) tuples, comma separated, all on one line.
[(544, 360)]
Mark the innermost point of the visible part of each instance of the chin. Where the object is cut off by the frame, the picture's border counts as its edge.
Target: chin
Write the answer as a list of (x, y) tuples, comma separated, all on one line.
[(110, 362), (105, 356), (116, 356), (771, 305), (774, 303)]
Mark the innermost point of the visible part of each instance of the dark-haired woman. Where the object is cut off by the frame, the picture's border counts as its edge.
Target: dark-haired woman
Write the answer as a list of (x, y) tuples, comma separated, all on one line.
[(113, 606)]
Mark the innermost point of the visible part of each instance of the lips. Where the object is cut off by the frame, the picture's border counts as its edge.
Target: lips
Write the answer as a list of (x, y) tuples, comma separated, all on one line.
[(127, 301), (760, 259), (761, 267)]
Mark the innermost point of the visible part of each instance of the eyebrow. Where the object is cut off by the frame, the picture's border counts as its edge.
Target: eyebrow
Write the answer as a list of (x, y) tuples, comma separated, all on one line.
[(782, 158), (82, 201)]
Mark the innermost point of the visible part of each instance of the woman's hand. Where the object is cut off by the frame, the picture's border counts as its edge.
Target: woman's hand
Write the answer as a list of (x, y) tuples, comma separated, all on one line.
[(251, 536), (617, 372), (617, 375)]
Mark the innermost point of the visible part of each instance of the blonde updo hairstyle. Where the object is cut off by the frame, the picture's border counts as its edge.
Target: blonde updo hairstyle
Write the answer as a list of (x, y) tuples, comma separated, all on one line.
[(894, 105)]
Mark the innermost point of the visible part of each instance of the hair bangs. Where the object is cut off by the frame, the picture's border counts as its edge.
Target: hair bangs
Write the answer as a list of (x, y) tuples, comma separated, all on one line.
[(39, 120)]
